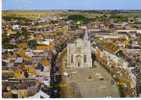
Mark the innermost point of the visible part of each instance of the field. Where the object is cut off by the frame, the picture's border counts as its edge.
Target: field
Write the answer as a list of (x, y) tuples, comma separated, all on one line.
[(37, 14)]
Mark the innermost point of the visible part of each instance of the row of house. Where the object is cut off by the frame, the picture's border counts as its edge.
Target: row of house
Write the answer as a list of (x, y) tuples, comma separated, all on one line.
[(119, 70)]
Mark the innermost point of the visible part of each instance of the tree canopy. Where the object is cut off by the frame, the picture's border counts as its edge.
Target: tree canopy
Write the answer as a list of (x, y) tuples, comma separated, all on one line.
[(32, 44), (78, 18)]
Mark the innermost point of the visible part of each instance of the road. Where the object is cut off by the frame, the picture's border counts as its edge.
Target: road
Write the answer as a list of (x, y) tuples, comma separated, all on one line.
[(84, 82), (55, 74)]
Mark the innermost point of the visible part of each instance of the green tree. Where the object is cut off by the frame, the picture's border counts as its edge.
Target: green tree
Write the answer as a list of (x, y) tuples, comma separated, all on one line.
[(78, 18), (18, 34), (25, 33), (32, 44), (119, 18)]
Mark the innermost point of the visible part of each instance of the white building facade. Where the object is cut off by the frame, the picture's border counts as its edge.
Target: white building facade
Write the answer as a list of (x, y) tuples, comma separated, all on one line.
[(79, 53)]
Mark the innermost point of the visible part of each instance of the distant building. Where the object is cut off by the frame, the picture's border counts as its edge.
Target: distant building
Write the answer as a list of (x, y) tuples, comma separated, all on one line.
[(138, 20), (19, 60), (15, 27), (79, 53)]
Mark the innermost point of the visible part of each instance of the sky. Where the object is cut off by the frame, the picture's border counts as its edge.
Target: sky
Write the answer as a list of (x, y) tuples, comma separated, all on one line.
[(71, 4)]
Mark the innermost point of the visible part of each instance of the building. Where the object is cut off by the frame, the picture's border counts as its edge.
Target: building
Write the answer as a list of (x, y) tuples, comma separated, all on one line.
[(119, 70), (121, 40), (79, 53)]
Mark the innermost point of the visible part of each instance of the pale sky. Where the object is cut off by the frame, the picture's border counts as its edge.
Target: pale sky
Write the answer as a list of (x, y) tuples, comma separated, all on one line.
[(71, 4)]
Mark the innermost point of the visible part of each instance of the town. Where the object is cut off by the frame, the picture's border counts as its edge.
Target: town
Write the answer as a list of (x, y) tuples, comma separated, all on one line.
[(66, 53)]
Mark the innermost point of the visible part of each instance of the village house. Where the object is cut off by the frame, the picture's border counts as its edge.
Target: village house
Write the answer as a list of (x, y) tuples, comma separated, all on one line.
[(118, 68), (121, 40)]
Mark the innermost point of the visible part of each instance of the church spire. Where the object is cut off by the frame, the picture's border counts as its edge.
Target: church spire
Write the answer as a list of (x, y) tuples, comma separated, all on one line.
[(86, 34)]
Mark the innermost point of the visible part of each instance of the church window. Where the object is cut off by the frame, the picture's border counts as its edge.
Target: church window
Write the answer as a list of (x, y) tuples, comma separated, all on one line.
[(71, 58), (85, 58), (78, 64)]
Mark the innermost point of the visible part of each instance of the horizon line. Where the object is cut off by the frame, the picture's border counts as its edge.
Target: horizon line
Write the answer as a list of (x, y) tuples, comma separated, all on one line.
[(73, 9)]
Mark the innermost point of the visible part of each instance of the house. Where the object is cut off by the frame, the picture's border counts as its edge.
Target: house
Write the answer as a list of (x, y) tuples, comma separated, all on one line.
[(29, 53), (39, 36), (40, 94), (120, 40), (45, 44), (16, 27), (31, 69), (45, 41), (108, 46), (19, 60), (38, 55), (22, 90), (42, 47), (36, 59)]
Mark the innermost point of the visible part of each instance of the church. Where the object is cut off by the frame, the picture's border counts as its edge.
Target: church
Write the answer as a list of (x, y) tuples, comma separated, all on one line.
[(79, 53)]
